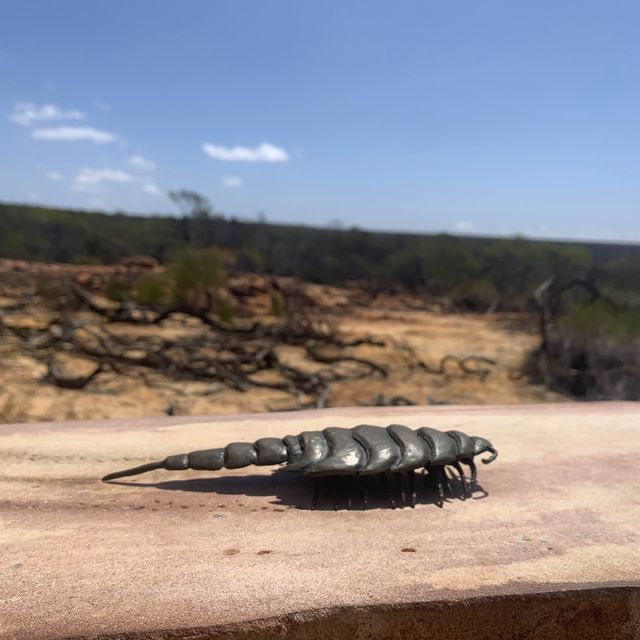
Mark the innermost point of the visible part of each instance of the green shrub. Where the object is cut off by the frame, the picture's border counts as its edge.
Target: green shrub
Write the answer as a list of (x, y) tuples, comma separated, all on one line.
[(475, 295), (277, 304), (248, 259), (601, 319), (155, 289), (191, 278), (194, 273), (117, 290)]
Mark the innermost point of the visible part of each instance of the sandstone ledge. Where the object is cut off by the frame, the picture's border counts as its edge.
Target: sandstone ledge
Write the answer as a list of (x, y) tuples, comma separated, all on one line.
[(550, 549)]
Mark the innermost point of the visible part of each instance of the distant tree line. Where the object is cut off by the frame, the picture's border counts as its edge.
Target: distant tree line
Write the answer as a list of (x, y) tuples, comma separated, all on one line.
[(476, 274)]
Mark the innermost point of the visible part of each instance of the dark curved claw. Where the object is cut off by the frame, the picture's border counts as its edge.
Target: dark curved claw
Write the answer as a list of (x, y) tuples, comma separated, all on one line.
[(492, 457)]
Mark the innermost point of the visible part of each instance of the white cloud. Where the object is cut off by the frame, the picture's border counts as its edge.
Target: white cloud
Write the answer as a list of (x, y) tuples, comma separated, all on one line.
[(231, 182), (264, 153), (55, 176), (140, 163), (152, 189), (26, 113), (463, 225), (75, 133), (90, 177)]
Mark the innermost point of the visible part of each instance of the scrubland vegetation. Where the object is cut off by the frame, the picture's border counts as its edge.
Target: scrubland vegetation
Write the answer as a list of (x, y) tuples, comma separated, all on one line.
[(584, 299)]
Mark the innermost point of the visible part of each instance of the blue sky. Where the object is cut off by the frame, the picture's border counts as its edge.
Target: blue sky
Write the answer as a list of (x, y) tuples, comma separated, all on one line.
[(473, 117)]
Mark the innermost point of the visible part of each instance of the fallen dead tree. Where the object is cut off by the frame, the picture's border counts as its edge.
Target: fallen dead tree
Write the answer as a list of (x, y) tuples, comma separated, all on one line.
[(280, 336), (479, 366), (235, 355)]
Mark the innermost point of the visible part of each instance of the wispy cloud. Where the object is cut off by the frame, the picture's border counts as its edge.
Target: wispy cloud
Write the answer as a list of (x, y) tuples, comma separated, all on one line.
[(98, 180), (463, 225), (265, 152), (91, 177), (26, 113), (75, 133), (152, 189), (140, 163), (55, 176), (231, 182)]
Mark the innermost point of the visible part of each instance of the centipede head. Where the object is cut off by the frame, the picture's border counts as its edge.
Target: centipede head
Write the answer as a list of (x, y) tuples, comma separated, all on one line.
[(480, 445)]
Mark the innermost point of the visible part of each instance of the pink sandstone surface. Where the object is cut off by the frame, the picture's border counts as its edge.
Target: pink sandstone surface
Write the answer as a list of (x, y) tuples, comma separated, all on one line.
[(550, 548)]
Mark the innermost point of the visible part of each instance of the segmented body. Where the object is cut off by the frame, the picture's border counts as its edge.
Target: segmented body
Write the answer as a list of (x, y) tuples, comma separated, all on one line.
[(364, 450)]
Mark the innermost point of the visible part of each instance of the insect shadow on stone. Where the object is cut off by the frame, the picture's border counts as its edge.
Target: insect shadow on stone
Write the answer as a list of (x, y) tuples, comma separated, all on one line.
[(344, 460)]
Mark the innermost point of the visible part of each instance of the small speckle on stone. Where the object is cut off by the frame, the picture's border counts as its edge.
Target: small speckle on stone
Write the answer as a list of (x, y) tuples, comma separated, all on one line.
[(217, 516), (231, 552), (263, 552), (408, 550)]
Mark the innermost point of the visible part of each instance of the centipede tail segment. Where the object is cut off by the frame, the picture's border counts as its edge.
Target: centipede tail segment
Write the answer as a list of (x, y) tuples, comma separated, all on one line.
[(392, 453)]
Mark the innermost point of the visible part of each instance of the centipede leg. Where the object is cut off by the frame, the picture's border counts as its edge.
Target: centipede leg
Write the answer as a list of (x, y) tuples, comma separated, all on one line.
[(474, 471), (365, 493), (334, 491), (349, 491), (441, 481), (316, 491), (388, 487), (436, 476), (412, 488), (463, 482), (445, 481), (398, 483)]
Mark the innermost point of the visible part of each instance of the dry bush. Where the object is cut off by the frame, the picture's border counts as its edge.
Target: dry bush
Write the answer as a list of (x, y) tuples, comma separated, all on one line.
[(590, 347)]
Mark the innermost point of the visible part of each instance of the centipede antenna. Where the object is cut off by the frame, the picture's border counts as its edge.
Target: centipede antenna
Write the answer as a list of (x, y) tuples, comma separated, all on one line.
[(134, 471)]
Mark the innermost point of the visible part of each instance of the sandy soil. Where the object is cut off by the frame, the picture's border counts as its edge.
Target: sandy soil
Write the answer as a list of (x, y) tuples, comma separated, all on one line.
[(400, 321)]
